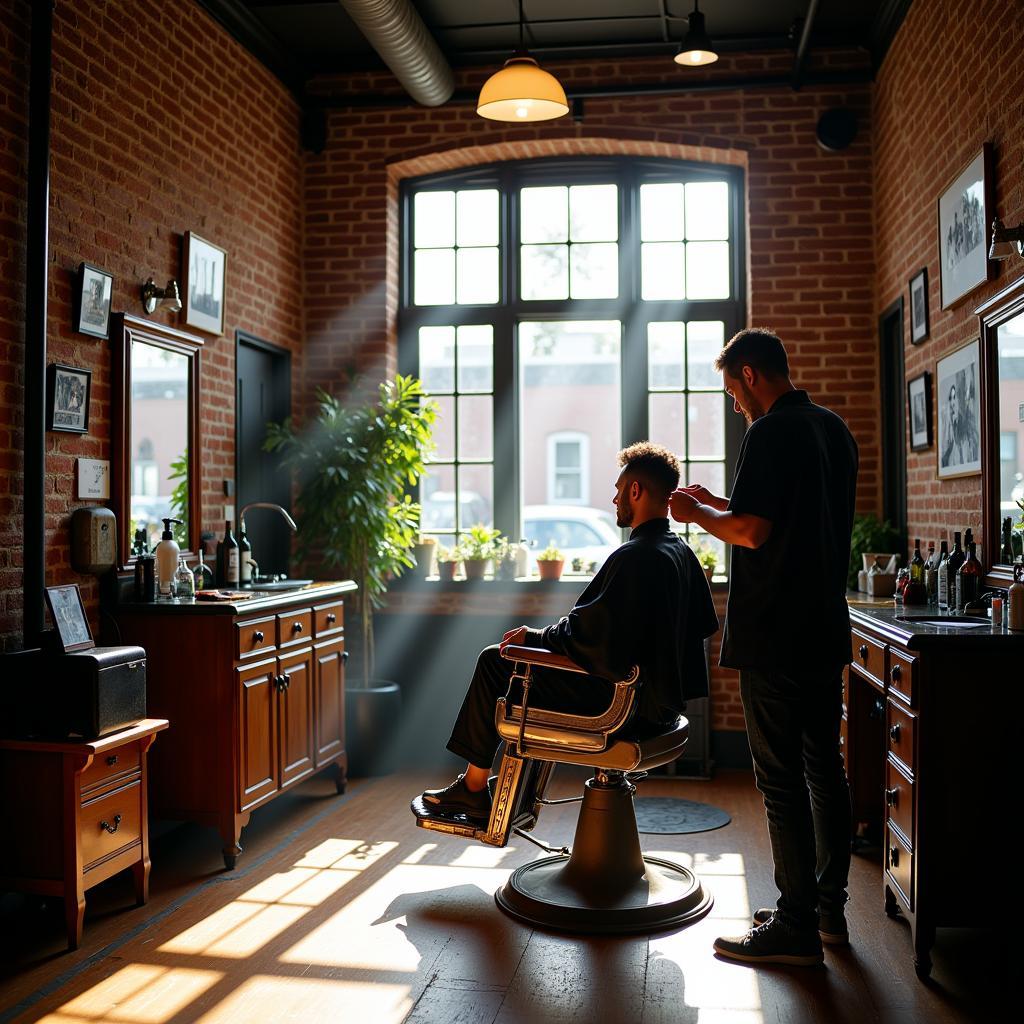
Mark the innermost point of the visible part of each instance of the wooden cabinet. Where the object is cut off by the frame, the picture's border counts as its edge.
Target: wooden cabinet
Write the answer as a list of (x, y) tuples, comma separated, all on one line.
[(83, 808), (256, 692)]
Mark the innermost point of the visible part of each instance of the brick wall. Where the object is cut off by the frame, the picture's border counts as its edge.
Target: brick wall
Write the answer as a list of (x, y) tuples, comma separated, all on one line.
[(951, 82), (167, 126)]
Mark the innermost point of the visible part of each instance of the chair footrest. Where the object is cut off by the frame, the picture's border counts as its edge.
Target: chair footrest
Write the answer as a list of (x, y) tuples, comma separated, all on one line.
[(455, 825)]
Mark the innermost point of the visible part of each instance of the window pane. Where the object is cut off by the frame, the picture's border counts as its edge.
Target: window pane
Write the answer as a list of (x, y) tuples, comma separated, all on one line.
[(477, 275), (477, 217), (476, 357), (568, 487), (707, 425), (476, 428), (545, 272), (434, 219), (710, 474), (707, 270), (435, 277), (567, 455), (444, 428), (661, 212), (593, 213), (707, 209), (437, 358), (594, 271), (545, 214), (665, 423), (662, 270), (437, 490), (665, 355), (476, 496), (704, 340)]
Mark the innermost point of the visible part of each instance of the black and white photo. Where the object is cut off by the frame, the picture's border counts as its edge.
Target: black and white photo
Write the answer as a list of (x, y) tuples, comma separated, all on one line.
[(959, 413), (964, 215), (92, 300), (919, 306), (205, 265), (919, 402), (69, 618), (67, 398)]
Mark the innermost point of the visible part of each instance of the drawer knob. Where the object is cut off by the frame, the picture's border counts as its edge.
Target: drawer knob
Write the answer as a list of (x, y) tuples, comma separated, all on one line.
[(258, 636), (895, 673), (891, 795), (279, 683), (331, 618), (111, 828), (344, 655), (894, 732), (112, 760), (863, 652), (296, 627), (894, 856), (286, 681)]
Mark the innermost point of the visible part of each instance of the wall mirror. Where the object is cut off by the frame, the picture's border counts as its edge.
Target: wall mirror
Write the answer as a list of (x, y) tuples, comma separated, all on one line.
[(1002, 369), (156, 433)]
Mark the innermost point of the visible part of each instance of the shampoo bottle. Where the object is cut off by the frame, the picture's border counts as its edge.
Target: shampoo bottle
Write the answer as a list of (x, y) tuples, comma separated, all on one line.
[(167, 554)]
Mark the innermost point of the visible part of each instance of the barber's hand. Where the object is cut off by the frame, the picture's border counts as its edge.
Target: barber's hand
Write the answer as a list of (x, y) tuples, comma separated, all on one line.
[(701, 493), (515, 637), (682, 504)]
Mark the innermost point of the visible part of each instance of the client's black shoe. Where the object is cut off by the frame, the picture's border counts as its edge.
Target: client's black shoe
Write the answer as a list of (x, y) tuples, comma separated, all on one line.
[(773, 943), (458, 799), (831, 927)]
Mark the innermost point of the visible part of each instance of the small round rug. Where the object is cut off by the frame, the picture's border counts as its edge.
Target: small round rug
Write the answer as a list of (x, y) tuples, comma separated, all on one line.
[(665, 815)]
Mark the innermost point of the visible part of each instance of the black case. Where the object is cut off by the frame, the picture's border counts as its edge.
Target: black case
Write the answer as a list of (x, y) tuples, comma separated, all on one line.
[(85, 694)]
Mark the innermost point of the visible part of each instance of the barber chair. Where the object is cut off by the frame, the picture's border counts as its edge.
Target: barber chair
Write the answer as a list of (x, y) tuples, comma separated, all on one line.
[(604, 884)]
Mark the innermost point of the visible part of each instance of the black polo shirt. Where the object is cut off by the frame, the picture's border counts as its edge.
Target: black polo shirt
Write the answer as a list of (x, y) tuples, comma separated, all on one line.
[(787, 609)]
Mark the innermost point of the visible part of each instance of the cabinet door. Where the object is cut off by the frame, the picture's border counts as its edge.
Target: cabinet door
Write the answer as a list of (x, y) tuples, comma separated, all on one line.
[(296, 716), (329, 674), (258, 771)]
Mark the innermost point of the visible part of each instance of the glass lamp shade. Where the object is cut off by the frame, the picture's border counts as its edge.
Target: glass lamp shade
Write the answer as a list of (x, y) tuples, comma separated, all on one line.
[(522, 91)]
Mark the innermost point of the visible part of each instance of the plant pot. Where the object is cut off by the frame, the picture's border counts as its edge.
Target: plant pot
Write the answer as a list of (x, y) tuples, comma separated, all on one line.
[(424, 554), (709, 571), (446, 570), (551, 570), (505, 570), (371, 727), (475, 568)]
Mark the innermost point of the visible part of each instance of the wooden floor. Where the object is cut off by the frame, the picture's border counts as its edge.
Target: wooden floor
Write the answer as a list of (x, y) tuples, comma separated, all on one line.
[(342, 910)]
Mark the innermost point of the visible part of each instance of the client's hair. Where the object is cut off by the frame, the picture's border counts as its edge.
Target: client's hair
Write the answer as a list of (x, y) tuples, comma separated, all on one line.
[(758, 348), (655, 467)]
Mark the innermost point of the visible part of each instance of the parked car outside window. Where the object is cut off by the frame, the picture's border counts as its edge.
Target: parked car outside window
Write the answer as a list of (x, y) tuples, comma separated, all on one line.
[(578, 531)]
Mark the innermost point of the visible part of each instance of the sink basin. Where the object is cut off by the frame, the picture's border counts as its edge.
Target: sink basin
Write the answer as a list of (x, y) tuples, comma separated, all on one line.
[(280, 585), (950, 621)]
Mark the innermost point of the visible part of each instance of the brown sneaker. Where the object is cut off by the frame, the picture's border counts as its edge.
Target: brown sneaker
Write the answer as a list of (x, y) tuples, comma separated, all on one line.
[(831, 927), (773, 943)]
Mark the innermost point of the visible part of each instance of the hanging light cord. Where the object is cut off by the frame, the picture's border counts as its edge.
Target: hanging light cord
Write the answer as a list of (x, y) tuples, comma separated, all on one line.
[(522, 48)]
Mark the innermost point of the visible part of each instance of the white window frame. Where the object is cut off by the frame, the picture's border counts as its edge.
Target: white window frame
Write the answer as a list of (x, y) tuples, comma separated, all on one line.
[(553, 440)]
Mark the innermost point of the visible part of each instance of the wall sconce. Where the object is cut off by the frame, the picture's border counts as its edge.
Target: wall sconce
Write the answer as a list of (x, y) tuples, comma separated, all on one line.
[(167, 297), (1003, 239)]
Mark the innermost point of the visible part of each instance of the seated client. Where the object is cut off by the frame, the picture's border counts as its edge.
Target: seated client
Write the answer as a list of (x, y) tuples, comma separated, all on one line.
[(649, 605)]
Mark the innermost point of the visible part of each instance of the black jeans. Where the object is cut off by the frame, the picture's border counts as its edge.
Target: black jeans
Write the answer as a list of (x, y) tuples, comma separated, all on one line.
[(475, 736), (793, 729)]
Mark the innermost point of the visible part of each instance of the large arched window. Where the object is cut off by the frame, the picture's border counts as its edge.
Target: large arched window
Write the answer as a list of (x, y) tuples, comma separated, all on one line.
[(582, 299)]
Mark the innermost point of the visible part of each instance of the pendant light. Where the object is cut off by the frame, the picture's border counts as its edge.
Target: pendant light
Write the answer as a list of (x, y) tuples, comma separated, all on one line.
[(522, 90), (696, 48)]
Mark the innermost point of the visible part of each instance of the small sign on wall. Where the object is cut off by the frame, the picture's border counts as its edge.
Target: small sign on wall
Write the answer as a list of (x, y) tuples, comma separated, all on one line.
[(93, 478)]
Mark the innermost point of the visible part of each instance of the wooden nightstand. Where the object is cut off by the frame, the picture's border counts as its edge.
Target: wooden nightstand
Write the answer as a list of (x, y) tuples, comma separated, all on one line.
[(75, 814)]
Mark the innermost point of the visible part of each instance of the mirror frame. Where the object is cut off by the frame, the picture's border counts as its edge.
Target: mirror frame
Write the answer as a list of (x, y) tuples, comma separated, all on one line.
[(1003, 306), (125, 330)]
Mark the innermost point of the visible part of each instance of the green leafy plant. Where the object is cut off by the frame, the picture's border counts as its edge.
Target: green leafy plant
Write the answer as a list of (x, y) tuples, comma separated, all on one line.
[(870, 534), (479, 543), (179, 498), (353, 464), (504, 559), (706, 555), (551, 554), (444, 554)]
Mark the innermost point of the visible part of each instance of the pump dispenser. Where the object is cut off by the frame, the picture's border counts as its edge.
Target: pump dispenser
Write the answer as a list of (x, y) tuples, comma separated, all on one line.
[(167, 554)]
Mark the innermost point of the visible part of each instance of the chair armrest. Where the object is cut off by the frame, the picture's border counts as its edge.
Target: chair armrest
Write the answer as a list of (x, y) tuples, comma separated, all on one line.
[(541, 656)]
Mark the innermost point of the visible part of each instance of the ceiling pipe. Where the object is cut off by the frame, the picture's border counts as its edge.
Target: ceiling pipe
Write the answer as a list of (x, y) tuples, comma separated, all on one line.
[(397, 32), (805, 38)]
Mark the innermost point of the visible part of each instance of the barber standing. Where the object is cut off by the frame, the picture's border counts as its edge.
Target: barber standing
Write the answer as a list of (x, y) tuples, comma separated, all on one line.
[(787, 630)]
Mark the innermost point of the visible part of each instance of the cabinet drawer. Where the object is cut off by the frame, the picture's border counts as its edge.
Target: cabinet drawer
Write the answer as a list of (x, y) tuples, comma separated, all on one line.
[(869, 656), (294, 627), (108, 767), (255, 636), (120, 811), (899, 864), (899, 799), (902, 673), (328, 619), (901, 729)]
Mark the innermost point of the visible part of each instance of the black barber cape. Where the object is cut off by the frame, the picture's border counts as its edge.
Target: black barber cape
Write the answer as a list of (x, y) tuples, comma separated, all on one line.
[(650, 604)]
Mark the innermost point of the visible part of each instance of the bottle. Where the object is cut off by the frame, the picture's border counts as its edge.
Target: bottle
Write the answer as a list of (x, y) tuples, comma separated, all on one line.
[(227, 559), (1006, 551), (931, 574), (968, 578), (184, 582), (522, 558), (1015, 597), (956, 559), (244, 558), (167, 552), (200, 572), (917, 564), (942, 578)]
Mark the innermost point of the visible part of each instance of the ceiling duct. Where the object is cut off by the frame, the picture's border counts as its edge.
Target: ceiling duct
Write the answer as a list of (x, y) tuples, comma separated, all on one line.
[(396, 31)]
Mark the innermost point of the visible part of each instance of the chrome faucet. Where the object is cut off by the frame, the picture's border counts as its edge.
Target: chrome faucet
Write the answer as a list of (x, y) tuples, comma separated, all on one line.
[(265, 504)]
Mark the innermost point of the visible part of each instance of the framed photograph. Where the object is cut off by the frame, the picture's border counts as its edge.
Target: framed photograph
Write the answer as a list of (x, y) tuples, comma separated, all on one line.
[(204, 268), (92, 300), (919, 306), (958, 400), (69, 618), (919, 402), (965, 209), (67, 398)]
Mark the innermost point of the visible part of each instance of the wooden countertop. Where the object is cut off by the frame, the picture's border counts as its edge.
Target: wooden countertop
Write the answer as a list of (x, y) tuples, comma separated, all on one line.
[(888, 620), (259, 602)]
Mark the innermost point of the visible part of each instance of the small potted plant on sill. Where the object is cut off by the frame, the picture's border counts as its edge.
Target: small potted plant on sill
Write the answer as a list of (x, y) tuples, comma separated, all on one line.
[(550, 563), (447, 562), (708, 558), (424, 552), (477, 547), (504, 559)]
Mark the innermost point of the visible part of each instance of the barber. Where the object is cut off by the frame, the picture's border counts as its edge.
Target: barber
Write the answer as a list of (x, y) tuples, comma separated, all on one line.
[(787, 631)]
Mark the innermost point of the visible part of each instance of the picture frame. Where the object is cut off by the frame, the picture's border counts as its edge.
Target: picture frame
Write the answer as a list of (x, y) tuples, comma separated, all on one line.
[(964, 213), (68, 389), (919, 306), (93, 292), (958, 401), (919, 407), (69, 618), (204, 266)]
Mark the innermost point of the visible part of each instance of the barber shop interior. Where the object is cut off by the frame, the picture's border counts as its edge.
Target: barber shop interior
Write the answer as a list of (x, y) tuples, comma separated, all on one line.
[(511, 512)]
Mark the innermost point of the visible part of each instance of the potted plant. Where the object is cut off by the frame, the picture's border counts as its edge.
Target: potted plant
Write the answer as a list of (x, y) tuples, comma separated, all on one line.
[(550, 563), (870, 535), (424, 552), (504, 559), (352, 464), (477, 547), (447, 562), (708, 558)]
